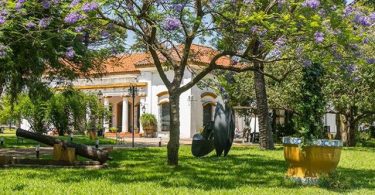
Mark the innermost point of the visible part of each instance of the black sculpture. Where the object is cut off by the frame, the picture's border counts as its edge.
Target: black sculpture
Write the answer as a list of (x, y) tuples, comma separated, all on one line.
[(218, 134), (203, 143)]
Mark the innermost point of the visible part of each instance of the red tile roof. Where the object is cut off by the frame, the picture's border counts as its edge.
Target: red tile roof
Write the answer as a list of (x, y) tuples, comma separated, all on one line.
[(131, 63)]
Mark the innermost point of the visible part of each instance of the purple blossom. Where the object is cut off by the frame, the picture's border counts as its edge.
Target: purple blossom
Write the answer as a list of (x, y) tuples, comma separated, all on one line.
[(72, 18), (280, 42), (79, 29), (74, 3), (371, 61), (311, 3), (372, 17), (4, 13), (46, 4), (348, 10), (70, 53), (105, 34), (178, 7), (87, 7), (351, 68), (254, 29), (366, 40), (30, 25), (2, 20), (171, 24), (307, 63), (44, 22), (319, 37), (362, 20)]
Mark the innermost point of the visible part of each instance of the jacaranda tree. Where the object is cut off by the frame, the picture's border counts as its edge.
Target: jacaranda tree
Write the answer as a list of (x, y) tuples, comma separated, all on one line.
[(254, 32), (38, 42)]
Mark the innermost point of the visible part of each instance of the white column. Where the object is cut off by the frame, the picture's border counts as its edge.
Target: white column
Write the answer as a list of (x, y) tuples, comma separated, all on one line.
[(142, 101), (106, 106), (124, 114)]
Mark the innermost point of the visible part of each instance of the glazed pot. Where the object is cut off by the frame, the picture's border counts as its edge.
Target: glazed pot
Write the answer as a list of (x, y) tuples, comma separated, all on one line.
[(313, 160)]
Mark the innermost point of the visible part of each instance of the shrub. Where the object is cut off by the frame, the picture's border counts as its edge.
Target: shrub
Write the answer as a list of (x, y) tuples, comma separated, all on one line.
[(148, 119)]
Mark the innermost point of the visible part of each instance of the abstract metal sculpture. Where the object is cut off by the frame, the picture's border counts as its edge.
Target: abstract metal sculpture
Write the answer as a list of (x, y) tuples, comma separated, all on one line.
[(219, 134)]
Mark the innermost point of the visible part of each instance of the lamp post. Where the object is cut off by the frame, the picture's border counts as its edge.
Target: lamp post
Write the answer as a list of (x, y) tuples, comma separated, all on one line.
[(100, 97), (133, 92)]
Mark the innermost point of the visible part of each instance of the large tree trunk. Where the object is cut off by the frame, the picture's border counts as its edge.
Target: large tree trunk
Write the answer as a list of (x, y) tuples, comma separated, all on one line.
[(174, 136), (265, 130), (347, 130), (82, 150)]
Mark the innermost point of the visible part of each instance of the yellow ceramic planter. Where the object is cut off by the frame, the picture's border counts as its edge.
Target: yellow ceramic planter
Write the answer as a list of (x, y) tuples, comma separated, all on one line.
[(319, 158)]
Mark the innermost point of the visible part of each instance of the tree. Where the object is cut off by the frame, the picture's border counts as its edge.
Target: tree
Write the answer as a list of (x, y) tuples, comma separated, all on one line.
[(253, 31), (39, 40)]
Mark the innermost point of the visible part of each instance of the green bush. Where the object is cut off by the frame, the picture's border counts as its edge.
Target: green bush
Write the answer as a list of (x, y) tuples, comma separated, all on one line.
[(148, 119)]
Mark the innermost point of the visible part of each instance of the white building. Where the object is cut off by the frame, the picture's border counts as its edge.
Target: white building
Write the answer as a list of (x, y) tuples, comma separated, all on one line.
[(197, 106)]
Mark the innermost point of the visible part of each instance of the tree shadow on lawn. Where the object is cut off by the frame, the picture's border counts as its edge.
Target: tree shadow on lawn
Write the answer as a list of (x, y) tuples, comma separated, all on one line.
[(147, 165)]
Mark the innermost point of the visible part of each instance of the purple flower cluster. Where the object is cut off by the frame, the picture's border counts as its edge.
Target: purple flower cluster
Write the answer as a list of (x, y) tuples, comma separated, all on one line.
[(88, 7), (319, 37), (19, 4), (70, 53), (362, 20), (171, 24), (72, 18), (74, 3), (307, 63), (46, 4), (79, 29), (351, 68), (371, 61), (348, 10), (2, 20), (178, 7), (30, 25), (372, 17), (280, 42), (314, 4), (44, 22)]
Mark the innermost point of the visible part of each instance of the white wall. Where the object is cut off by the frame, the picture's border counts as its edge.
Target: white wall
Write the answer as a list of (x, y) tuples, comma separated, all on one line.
[(156, 86)]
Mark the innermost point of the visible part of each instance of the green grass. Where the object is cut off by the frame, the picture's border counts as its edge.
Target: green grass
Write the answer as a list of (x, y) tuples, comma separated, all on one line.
[(247, 170), (11, 140)]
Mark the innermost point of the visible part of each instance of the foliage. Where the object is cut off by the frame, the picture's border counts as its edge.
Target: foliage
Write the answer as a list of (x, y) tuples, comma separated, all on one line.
[(113, 129), (97, 113), (37, 40), (311, 107), (148, 119)]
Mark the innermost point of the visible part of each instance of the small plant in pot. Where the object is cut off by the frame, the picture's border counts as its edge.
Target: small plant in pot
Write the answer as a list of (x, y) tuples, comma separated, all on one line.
[(149, 124), (113, 129), (309, 157)]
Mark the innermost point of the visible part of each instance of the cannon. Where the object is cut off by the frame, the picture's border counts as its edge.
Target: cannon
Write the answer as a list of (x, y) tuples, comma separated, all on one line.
[(80, 149)]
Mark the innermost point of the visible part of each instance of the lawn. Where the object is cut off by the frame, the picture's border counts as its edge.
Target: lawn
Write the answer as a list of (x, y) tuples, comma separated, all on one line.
[(247, 170)]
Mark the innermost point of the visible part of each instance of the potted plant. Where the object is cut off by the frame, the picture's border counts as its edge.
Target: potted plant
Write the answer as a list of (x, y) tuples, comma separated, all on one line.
[(113, 129), (149, 123), (307, 156)]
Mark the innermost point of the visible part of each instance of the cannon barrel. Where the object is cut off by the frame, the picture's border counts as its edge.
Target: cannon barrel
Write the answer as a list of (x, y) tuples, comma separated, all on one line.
[(82, 150)]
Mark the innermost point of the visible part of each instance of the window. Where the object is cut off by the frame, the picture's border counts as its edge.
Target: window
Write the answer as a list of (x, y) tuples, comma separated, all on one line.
[(165, 116), (207, 114)]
